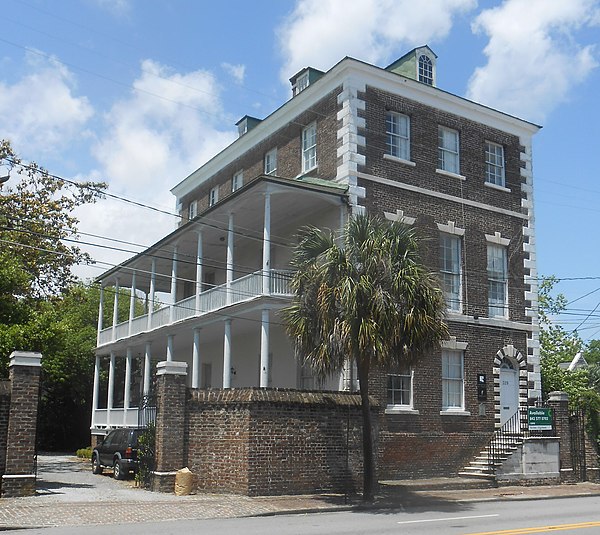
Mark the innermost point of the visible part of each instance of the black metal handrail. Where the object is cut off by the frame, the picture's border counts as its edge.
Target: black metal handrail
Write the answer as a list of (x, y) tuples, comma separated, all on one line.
[(509, 436)]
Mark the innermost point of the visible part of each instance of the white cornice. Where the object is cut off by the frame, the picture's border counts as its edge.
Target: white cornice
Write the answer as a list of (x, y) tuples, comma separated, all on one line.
[(360, 74)]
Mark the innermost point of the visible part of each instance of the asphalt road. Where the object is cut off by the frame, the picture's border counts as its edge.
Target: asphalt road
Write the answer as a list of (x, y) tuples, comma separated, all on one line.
[(565, 515)]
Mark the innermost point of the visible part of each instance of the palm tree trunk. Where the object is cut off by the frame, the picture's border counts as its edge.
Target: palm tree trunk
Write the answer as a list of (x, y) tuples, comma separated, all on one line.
[(368, 457)]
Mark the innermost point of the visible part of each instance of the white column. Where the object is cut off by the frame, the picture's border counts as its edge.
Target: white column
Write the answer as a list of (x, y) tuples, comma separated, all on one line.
[(100, 313), (266, 265), (173, 286), (229, 257), (170, 344), (111, 387), (147, 370), (227, 355), (198, 273), (264, 349), (132, 302), (115, 310), (196, 359), (127, 389), (96, 391), (152, 292)]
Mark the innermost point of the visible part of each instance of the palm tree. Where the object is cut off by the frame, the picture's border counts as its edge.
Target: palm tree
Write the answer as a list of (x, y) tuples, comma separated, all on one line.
[(363, 297)]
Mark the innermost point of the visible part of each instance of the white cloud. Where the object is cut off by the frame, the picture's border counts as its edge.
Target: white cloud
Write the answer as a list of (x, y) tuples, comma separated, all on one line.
[(116, 7), (320, 32), (40, 113), (238, 72), (533, 60), (165, 129)]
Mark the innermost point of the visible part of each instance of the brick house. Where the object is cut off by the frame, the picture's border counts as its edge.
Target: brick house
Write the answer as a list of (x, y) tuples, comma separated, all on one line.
[(355, 138)]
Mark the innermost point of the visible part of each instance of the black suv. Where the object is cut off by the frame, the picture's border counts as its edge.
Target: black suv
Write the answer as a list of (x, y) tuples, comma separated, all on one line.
[(117, 451)]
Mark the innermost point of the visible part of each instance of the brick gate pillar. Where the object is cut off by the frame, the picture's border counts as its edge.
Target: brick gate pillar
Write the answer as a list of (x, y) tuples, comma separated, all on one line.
[(24, 373), (559, 403), (170, 422)]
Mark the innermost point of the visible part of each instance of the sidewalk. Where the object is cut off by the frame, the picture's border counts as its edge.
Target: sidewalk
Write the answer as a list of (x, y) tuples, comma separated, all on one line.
[(68, 495)]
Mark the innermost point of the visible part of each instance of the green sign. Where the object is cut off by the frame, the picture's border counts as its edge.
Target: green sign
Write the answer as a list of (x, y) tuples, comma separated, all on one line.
[(539, 419)]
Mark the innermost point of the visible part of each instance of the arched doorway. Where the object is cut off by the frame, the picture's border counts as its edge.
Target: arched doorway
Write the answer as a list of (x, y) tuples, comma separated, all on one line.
[(509, 389)]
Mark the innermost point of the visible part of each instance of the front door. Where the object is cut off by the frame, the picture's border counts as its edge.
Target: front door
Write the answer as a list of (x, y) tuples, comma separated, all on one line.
[(509, 390)]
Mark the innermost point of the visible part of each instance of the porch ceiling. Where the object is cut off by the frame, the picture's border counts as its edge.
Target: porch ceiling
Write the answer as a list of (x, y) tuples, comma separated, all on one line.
[(292, 201)]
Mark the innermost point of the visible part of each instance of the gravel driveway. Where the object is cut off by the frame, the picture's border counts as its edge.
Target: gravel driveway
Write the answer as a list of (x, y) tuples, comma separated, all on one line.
[(66, 478)]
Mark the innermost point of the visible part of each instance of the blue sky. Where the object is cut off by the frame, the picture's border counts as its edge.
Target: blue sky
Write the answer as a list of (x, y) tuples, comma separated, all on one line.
[(140, 93)]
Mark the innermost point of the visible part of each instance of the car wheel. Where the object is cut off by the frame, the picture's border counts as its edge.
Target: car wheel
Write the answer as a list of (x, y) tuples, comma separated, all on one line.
[(96, 468), (118, 471)]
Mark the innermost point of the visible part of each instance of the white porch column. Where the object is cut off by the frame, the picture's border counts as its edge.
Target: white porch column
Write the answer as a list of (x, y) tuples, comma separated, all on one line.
[(132, 302), (115, 310), (196, 359), (229, 257), (147, 370), (266, 259), (173, 286), (111, 387), (264, 349), (170, 345), (152, 292), (127, 388), (198, 273), (96, 391), (227, 355), (100, 313)]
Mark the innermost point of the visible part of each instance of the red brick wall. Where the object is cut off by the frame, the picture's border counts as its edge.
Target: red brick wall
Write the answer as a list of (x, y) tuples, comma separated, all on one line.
[(272, 441), (4, 413)]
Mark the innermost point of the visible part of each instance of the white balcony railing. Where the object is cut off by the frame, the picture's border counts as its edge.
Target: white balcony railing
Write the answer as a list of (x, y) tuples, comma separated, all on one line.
[(242, 289), (102, 418)]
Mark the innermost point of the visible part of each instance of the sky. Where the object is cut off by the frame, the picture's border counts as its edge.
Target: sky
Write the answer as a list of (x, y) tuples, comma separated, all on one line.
[(140, 93)]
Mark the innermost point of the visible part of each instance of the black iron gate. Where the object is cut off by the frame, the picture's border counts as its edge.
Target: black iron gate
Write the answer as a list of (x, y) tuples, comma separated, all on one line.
[(577, 432), (147, 411)]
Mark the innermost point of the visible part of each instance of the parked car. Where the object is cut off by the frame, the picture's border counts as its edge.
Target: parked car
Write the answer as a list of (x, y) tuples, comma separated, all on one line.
[(118, 451)]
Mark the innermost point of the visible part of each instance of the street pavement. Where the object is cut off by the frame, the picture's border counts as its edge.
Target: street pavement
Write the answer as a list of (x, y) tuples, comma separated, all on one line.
[(69, 495)]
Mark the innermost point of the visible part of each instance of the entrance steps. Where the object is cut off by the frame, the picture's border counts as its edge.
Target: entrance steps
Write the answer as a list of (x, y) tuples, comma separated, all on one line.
[(482, 467)]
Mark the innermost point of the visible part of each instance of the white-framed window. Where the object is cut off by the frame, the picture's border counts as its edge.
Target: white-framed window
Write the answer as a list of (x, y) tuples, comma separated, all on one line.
[(271, 162), (309, 147), (494, 164), (237, 180), (193, 209), (497, 268), (453, 383), (448, 150), (213, 196), (400, 389), (397, 131), (450, 270), (425, 70), (301, 83)]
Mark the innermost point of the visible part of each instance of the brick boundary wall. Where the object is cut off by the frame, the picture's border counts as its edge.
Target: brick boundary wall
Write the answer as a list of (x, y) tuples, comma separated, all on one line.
[(4, 415), (275, 441)]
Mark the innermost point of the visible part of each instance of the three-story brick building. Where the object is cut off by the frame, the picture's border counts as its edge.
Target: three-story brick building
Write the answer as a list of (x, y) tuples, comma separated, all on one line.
[(355, 138)]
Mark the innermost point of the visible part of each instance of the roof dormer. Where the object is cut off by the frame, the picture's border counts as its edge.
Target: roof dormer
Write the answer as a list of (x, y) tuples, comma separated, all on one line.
[(302, 79), (246, 123), (419, 64)]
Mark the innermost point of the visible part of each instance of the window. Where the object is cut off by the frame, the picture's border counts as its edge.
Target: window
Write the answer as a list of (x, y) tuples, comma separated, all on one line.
[(237, 181), (452, 380), (450, 258), (193, 210), (213, 196), (397, 130), (309, 147), (271, 162), (448, 155), (425, 70), (497, 281), (399, 389), (494, 163), (301, 83)]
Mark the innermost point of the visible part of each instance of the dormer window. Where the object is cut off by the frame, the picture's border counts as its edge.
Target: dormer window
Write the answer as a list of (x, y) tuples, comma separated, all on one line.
[(302, 82), (425, 70)]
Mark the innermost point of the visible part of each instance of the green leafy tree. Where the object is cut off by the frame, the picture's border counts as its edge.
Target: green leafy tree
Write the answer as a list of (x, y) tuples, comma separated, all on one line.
[(363, 297)]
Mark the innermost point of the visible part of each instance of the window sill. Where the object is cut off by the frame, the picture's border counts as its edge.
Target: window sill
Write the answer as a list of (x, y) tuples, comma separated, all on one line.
[(399, 160), (306, 171), (455, 413), (496, 186), (398, 409), (450, 174)]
